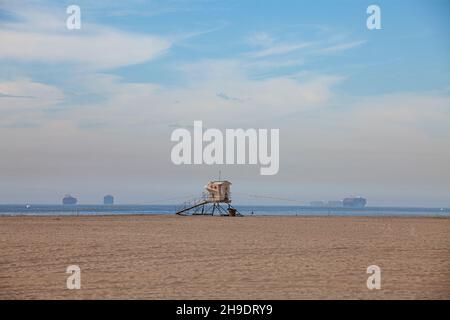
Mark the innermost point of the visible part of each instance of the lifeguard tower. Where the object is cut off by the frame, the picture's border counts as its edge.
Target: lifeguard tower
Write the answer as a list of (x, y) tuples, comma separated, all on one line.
[(216, 193)]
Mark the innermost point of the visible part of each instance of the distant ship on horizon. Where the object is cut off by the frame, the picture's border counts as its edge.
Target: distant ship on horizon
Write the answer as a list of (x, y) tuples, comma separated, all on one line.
[(108, 200), (354, 202), (68, 199), (350, 202)]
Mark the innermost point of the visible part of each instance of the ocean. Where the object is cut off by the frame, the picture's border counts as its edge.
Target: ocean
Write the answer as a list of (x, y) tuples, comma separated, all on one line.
[(65, 210)]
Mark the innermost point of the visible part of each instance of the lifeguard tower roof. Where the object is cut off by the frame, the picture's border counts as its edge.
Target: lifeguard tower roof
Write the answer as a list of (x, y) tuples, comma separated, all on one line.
[(220, 182)]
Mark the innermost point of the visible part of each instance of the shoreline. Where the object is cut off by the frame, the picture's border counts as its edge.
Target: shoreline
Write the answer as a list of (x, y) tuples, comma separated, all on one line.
[(244, 216)]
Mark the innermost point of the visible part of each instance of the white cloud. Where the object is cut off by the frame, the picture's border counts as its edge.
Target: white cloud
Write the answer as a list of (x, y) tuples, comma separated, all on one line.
[(26, 94), (141, 106), (270, 47), (279, 49), (44, 37), (341, 46), (22, 102)]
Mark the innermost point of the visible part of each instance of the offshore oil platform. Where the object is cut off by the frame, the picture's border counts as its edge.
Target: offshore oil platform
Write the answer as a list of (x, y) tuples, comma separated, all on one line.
[(217, 194)]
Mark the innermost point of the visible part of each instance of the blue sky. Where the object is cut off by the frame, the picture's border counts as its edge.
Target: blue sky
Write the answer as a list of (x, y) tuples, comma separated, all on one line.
[(360, 111), (414, 34)]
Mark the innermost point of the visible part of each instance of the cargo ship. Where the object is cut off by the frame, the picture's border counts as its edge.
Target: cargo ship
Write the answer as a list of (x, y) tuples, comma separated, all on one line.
[(68, 199), (354, 202), (108, 200)]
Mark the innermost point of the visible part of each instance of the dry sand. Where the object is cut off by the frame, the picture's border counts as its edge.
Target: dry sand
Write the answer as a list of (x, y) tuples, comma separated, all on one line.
[(171, 257)]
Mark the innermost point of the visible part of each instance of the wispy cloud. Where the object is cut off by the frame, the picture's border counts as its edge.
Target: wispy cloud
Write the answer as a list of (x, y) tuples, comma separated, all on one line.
[(227, 97), (43, 37), (20, 94), (275, 52), (279, 49), (4, 95), (341, 46)]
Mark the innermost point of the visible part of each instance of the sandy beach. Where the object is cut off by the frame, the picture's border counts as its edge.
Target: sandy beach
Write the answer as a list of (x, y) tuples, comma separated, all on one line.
[(172, 257)]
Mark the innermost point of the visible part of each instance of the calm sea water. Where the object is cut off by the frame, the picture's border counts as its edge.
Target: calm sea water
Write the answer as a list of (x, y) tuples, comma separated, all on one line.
[(40, 210)]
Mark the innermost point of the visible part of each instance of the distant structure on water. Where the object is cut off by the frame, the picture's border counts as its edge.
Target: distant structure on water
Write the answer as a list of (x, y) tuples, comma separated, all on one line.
[(68, 199), (351, 202), (327, 204), (317, 203), (335, 203), (356, 202), (108, 200)]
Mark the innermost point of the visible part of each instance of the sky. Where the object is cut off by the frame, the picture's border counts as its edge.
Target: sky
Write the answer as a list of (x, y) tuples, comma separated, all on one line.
[(360, 112)]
